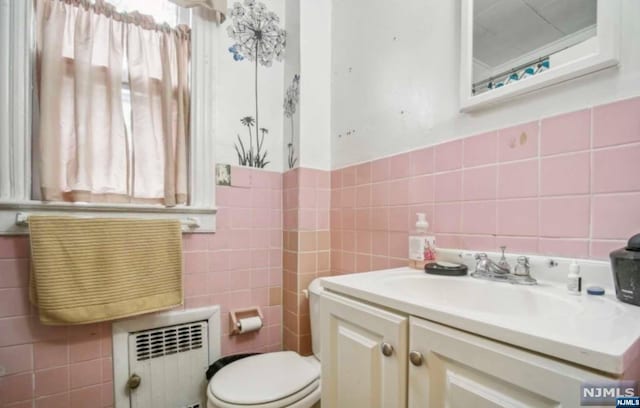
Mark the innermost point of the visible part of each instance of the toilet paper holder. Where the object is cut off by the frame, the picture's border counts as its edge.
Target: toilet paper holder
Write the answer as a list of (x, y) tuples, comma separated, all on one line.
[(237, 314)]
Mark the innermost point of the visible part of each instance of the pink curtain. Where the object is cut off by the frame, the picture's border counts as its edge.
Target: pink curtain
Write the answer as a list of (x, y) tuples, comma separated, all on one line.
[(159, 83), (85, 151)]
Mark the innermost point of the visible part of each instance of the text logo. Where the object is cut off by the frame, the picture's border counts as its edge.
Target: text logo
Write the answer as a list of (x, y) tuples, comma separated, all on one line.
[(607, 393), (628, 402)]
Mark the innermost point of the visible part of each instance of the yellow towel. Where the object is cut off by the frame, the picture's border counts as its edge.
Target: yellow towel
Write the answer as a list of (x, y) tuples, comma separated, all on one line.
[(86, 270)]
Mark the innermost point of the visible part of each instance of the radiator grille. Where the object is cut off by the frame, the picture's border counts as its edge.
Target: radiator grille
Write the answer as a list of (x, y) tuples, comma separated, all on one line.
[(169, 340)]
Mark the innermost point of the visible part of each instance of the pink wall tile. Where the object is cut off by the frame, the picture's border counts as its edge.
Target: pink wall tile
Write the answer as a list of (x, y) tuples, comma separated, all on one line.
[(564, 247), (348, 176), (380, 243), (447, 218), (421, 189), (448, 156), (363, 173), (564, 175), (422, 161), (363, 241), (240, 176), (363, 196), (616, 123), (399, 166), (348, 197), (617, 169), (399, 192), (14, 247), (399, 219), (479, 217), (399, 244), (54, 401), (15, 388), (348, 218), (448, 241), (363, 219), (14, 273), (16, 359), (518, 142), (336, 178), (566, 217), (478, 242), (518, 244), (566, 133), (518, 179), (14, 302), (380, 170), (602, 249), (50, 354), (480, 149), (52, 381), (448, 186), (86, 397), (380, 219), (380, 194), (615, 216), (518, 217), (480, 183)]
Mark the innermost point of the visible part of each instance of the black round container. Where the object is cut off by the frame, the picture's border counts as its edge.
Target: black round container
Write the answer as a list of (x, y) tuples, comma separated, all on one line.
[(625, 264)]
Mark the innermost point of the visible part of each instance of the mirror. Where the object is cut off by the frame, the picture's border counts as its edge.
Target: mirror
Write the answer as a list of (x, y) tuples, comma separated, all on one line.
[(510, 47)]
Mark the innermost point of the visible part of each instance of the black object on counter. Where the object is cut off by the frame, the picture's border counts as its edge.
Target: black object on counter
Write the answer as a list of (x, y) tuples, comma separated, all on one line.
[(446, 268), (625, 264)]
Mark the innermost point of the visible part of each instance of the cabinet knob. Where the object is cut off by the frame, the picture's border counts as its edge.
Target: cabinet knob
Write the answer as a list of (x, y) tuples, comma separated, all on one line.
[(416, 358), (387, 349)]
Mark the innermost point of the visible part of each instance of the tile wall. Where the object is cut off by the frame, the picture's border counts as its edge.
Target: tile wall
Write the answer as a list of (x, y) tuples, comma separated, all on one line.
[(239, 266), (306, 249), (565, 186)]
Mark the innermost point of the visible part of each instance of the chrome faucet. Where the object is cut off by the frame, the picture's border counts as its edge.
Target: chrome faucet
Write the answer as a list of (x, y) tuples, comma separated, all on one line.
[(501, 271)]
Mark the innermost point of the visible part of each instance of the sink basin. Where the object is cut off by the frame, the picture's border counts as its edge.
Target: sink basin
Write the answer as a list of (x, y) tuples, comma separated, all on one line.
[(484, 297)]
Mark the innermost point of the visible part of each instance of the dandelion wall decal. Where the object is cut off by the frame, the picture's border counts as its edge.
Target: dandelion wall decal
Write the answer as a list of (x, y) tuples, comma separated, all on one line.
[(259, 39), (291, 99)]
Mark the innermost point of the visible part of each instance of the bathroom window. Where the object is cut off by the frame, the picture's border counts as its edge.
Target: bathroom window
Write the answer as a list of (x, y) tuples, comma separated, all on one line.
[(137, 172)]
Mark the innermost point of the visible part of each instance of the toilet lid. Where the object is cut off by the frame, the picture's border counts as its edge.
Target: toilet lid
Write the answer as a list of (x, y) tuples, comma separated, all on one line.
[(263, 378)]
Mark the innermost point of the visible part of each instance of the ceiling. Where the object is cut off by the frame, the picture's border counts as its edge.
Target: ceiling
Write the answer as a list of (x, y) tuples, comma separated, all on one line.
[(506, 29)]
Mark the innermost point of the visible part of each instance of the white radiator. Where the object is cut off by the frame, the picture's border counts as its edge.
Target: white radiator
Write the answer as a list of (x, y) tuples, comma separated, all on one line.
[(171, 363)]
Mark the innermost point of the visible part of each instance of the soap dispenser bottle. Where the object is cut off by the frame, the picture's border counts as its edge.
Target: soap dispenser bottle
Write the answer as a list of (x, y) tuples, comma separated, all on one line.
[(574, 280), (422, 246)]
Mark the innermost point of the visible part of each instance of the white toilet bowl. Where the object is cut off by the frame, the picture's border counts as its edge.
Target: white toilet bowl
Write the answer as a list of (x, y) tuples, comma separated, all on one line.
[(272, 380)]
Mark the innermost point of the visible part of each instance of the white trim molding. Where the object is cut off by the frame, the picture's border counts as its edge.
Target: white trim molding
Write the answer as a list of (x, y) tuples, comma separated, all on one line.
[(120, 341), (17, 56), (605, 56)]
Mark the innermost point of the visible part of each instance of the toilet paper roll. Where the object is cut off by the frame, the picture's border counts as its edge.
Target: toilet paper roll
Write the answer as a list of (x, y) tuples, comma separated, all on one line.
[(249, 324)]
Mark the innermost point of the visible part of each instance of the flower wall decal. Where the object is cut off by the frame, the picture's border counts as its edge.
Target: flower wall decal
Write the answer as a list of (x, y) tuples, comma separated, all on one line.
[(291, 98), (260, 40)]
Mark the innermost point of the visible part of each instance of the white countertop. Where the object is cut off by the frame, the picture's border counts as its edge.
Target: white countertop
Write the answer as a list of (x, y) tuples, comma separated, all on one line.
[(593, 331)]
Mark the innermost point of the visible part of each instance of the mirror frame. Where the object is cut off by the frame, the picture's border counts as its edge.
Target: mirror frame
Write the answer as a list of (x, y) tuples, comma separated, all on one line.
[(608, 39)]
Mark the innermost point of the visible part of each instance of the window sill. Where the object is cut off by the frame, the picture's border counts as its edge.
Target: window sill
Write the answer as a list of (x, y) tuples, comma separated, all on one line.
[(195, 219)]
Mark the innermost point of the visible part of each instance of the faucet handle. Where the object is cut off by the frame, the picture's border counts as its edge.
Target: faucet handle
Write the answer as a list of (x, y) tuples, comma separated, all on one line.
[(522, 268), (503, 263)]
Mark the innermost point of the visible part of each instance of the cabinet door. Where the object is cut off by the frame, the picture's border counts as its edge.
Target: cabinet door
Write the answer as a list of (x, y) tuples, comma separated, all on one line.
[(459, 369), (356, 371)]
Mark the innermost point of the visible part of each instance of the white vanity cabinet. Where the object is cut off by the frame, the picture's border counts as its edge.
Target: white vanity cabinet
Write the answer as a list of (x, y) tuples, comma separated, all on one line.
[(364, 354), (374, 357), (452, 368)]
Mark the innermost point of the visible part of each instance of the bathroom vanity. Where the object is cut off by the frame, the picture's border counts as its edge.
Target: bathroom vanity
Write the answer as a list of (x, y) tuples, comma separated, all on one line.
[(400, 337)]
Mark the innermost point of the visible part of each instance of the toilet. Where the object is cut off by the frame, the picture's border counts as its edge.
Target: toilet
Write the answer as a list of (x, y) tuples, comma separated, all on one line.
[(272, 380)]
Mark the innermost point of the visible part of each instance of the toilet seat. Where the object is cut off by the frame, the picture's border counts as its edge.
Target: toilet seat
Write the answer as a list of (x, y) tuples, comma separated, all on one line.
[(269, 380)]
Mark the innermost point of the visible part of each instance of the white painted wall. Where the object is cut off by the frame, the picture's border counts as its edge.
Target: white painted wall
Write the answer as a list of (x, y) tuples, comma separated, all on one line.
[(235, 98), (395, 70), (315, 83), (291, 68)]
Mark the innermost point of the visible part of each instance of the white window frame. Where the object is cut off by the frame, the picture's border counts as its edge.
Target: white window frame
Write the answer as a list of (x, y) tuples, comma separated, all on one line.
[(17, 57)]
